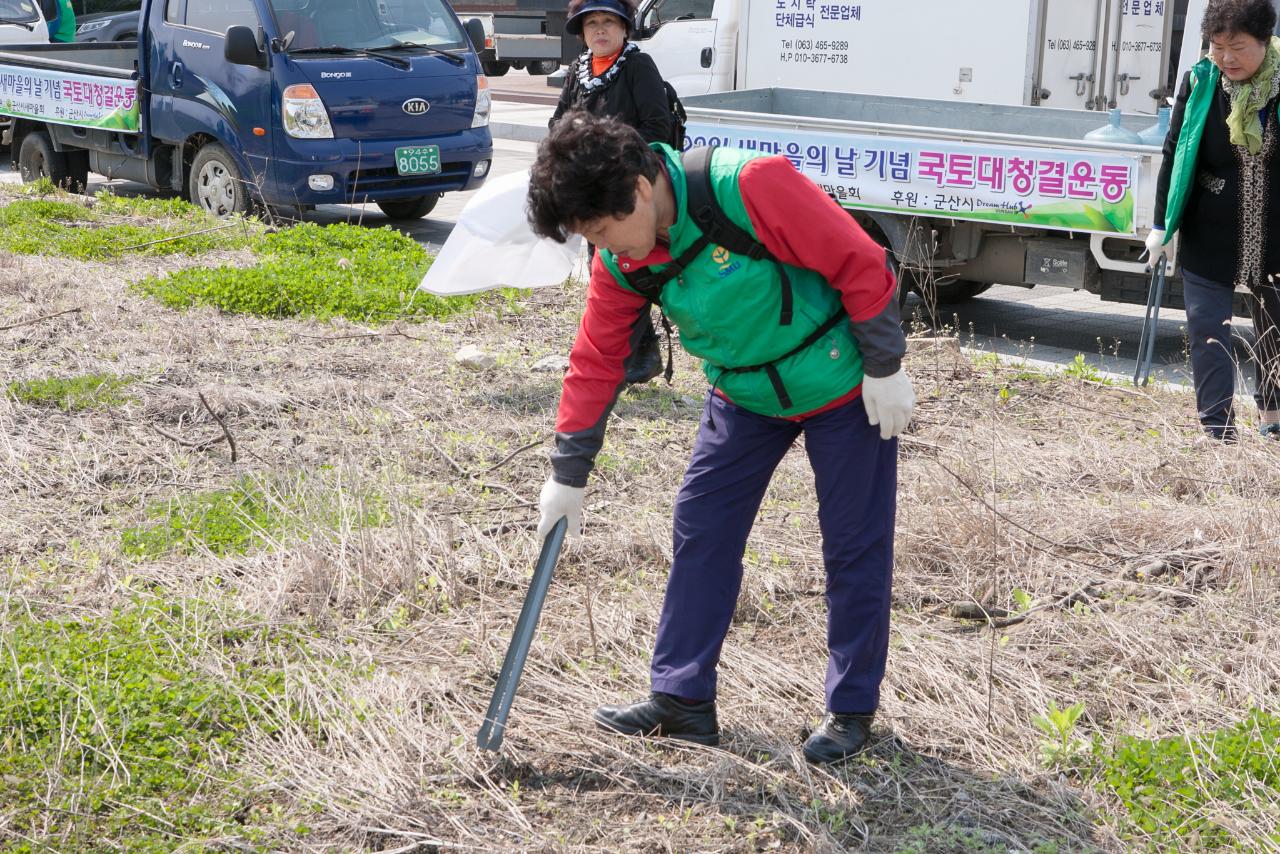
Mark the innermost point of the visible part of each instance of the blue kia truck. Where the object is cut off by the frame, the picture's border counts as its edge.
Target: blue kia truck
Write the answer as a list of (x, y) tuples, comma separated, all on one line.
[(282, 103)]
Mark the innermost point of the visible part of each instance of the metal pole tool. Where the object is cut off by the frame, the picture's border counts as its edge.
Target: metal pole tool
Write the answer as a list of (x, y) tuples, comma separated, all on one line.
[(495, 720), (1147, 343)]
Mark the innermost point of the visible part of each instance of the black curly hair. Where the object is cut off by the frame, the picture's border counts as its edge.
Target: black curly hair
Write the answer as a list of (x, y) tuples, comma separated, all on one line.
[(586, 169), (1256, 18)]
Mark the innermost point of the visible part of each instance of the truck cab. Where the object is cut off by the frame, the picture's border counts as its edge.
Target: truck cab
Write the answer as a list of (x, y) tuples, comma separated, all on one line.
[(22, 22), (287, 103), (319, 101)]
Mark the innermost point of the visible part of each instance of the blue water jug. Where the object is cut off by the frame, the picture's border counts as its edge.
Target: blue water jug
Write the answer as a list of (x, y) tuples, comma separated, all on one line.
[(1113, 132), (1155, 134)]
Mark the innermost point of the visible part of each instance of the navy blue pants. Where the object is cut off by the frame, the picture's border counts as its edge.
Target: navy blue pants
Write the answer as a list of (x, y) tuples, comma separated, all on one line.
[(734, 457), (1213, 365)]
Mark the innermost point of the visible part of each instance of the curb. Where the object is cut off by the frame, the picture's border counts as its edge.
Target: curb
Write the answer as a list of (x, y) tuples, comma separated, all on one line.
[(518, 132)]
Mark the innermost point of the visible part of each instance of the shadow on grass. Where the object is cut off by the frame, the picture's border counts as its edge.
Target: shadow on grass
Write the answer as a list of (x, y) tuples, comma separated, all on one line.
[(757, 793)]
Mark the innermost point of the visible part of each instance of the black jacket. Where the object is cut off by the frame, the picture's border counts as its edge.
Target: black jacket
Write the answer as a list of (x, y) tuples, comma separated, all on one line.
[(1220, 226), (635, 95)]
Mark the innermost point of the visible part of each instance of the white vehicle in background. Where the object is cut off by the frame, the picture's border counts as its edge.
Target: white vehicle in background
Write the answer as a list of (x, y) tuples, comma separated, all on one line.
[(22, 22), (957, 132), (1070, 54)]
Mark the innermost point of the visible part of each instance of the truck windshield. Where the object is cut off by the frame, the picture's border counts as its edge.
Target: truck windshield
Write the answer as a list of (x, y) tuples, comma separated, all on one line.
[(18, 12), (366, 24)]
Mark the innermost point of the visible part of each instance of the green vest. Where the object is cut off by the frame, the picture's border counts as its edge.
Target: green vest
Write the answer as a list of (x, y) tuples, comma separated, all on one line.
[(1204, 82), (728, 308)]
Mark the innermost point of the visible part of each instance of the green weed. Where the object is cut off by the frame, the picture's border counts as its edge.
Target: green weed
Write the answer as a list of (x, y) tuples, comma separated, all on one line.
[(1081, 370), (1059, 725), (367, 275), (120, 731), (88, 391), (1179, 792), (49, 225), (252, 513)]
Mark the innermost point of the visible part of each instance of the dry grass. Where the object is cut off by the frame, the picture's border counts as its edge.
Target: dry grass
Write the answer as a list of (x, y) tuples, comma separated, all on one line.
[(1150, 559)]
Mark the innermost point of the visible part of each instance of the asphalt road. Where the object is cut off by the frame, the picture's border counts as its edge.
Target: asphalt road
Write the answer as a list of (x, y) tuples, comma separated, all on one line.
[(1045, 324)]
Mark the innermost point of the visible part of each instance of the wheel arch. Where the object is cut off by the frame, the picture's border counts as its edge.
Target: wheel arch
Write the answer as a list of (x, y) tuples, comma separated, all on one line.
[(196, 141)]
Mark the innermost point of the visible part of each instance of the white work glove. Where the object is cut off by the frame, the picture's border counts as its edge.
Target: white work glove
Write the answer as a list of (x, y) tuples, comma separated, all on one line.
[(889, 401), (1155, 246), (559, 500)]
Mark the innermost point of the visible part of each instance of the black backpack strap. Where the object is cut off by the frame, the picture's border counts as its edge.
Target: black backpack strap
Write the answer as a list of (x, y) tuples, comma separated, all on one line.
[(649, 282), (713, 222), (771, 367)]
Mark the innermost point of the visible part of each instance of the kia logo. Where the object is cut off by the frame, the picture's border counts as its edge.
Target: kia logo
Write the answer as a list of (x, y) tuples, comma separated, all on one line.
[(415, 106)]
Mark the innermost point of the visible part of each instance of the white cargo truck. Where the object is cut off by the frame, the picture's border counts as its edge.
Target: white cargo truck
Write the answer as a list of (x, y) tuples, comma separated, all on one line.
[(1071, 54), (952, 130)]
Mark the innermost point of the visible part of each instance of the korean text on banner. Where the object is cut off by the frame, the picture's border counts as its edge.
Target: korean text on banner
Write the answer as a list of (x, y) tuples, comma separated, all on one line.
[(69, 99), (1011, 185)]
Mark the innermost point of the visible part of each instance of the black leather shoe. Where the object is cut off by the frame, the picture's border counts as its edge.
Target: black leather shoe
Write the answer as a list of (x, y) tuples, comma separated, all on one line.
[(646, 362), (838, 738), (663, 714)]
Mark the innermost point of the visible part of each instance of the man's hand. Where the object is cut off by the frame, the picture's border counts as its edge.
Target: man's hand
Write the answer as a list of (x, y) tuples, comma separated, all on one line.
[(1155, 246), (889, 401), (559, 500)]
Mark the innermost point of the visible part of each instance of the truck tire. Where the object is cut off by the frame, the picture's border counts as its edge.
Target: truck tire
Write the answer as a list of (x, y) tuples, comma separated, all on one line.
[(409, 208), (215, 184), (496, 68), (961, 290), (543, 67), (37, 159)]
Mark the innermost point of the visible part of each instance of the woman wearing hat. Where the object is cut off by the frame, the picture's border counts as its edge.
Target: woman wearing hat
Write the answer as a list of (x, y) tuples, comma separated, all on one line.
[(1219, 186), (614, 78)]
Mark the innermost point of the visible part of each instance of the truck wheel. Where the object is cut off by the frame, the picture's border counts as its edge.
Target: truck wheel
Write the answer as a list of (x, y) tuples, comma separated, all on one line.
[(37, 159), (496, 68), (961, 290), (546, 66), (215, 184), (409, 208)]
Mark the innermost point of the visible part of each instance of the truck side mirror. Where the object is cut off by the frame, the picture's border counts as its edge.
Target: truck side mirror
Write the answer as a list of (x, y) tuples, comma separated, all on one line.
[(242, 47), (475, 32)]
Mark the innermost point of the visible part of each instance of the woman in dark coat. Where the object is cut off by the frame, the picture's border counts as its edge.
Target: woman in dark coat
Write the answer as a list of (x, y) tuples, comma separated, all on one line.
[(1219, 186), (614, 78)]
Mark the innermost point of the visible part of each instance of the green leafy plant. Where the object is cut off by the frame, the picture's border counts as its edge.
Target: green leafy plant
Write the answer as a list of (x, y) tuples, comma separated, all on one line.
[(364, 274), (1081, 370), (252, 513), (1059, 725), (87, 391), (1179, 792), (124, 727), (112, 227)]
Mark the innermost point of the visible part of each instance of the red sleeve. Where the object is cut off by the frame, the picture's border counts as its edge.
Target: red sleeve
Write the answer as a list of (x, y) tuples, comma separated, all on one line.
[(603, 343), (804, 227)]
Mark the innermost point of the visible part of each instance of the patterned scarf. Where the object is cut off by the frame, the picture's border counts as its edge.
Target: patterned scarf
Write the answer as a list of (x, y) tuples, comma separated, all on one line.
[(1250, 97), (588, 82)]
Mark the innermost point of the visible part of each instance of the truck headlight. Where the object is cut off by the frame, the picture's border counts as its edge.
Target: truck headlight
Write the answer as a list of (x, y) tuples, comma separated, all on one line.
[(304, 114), (484, 103), (90, 26)]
